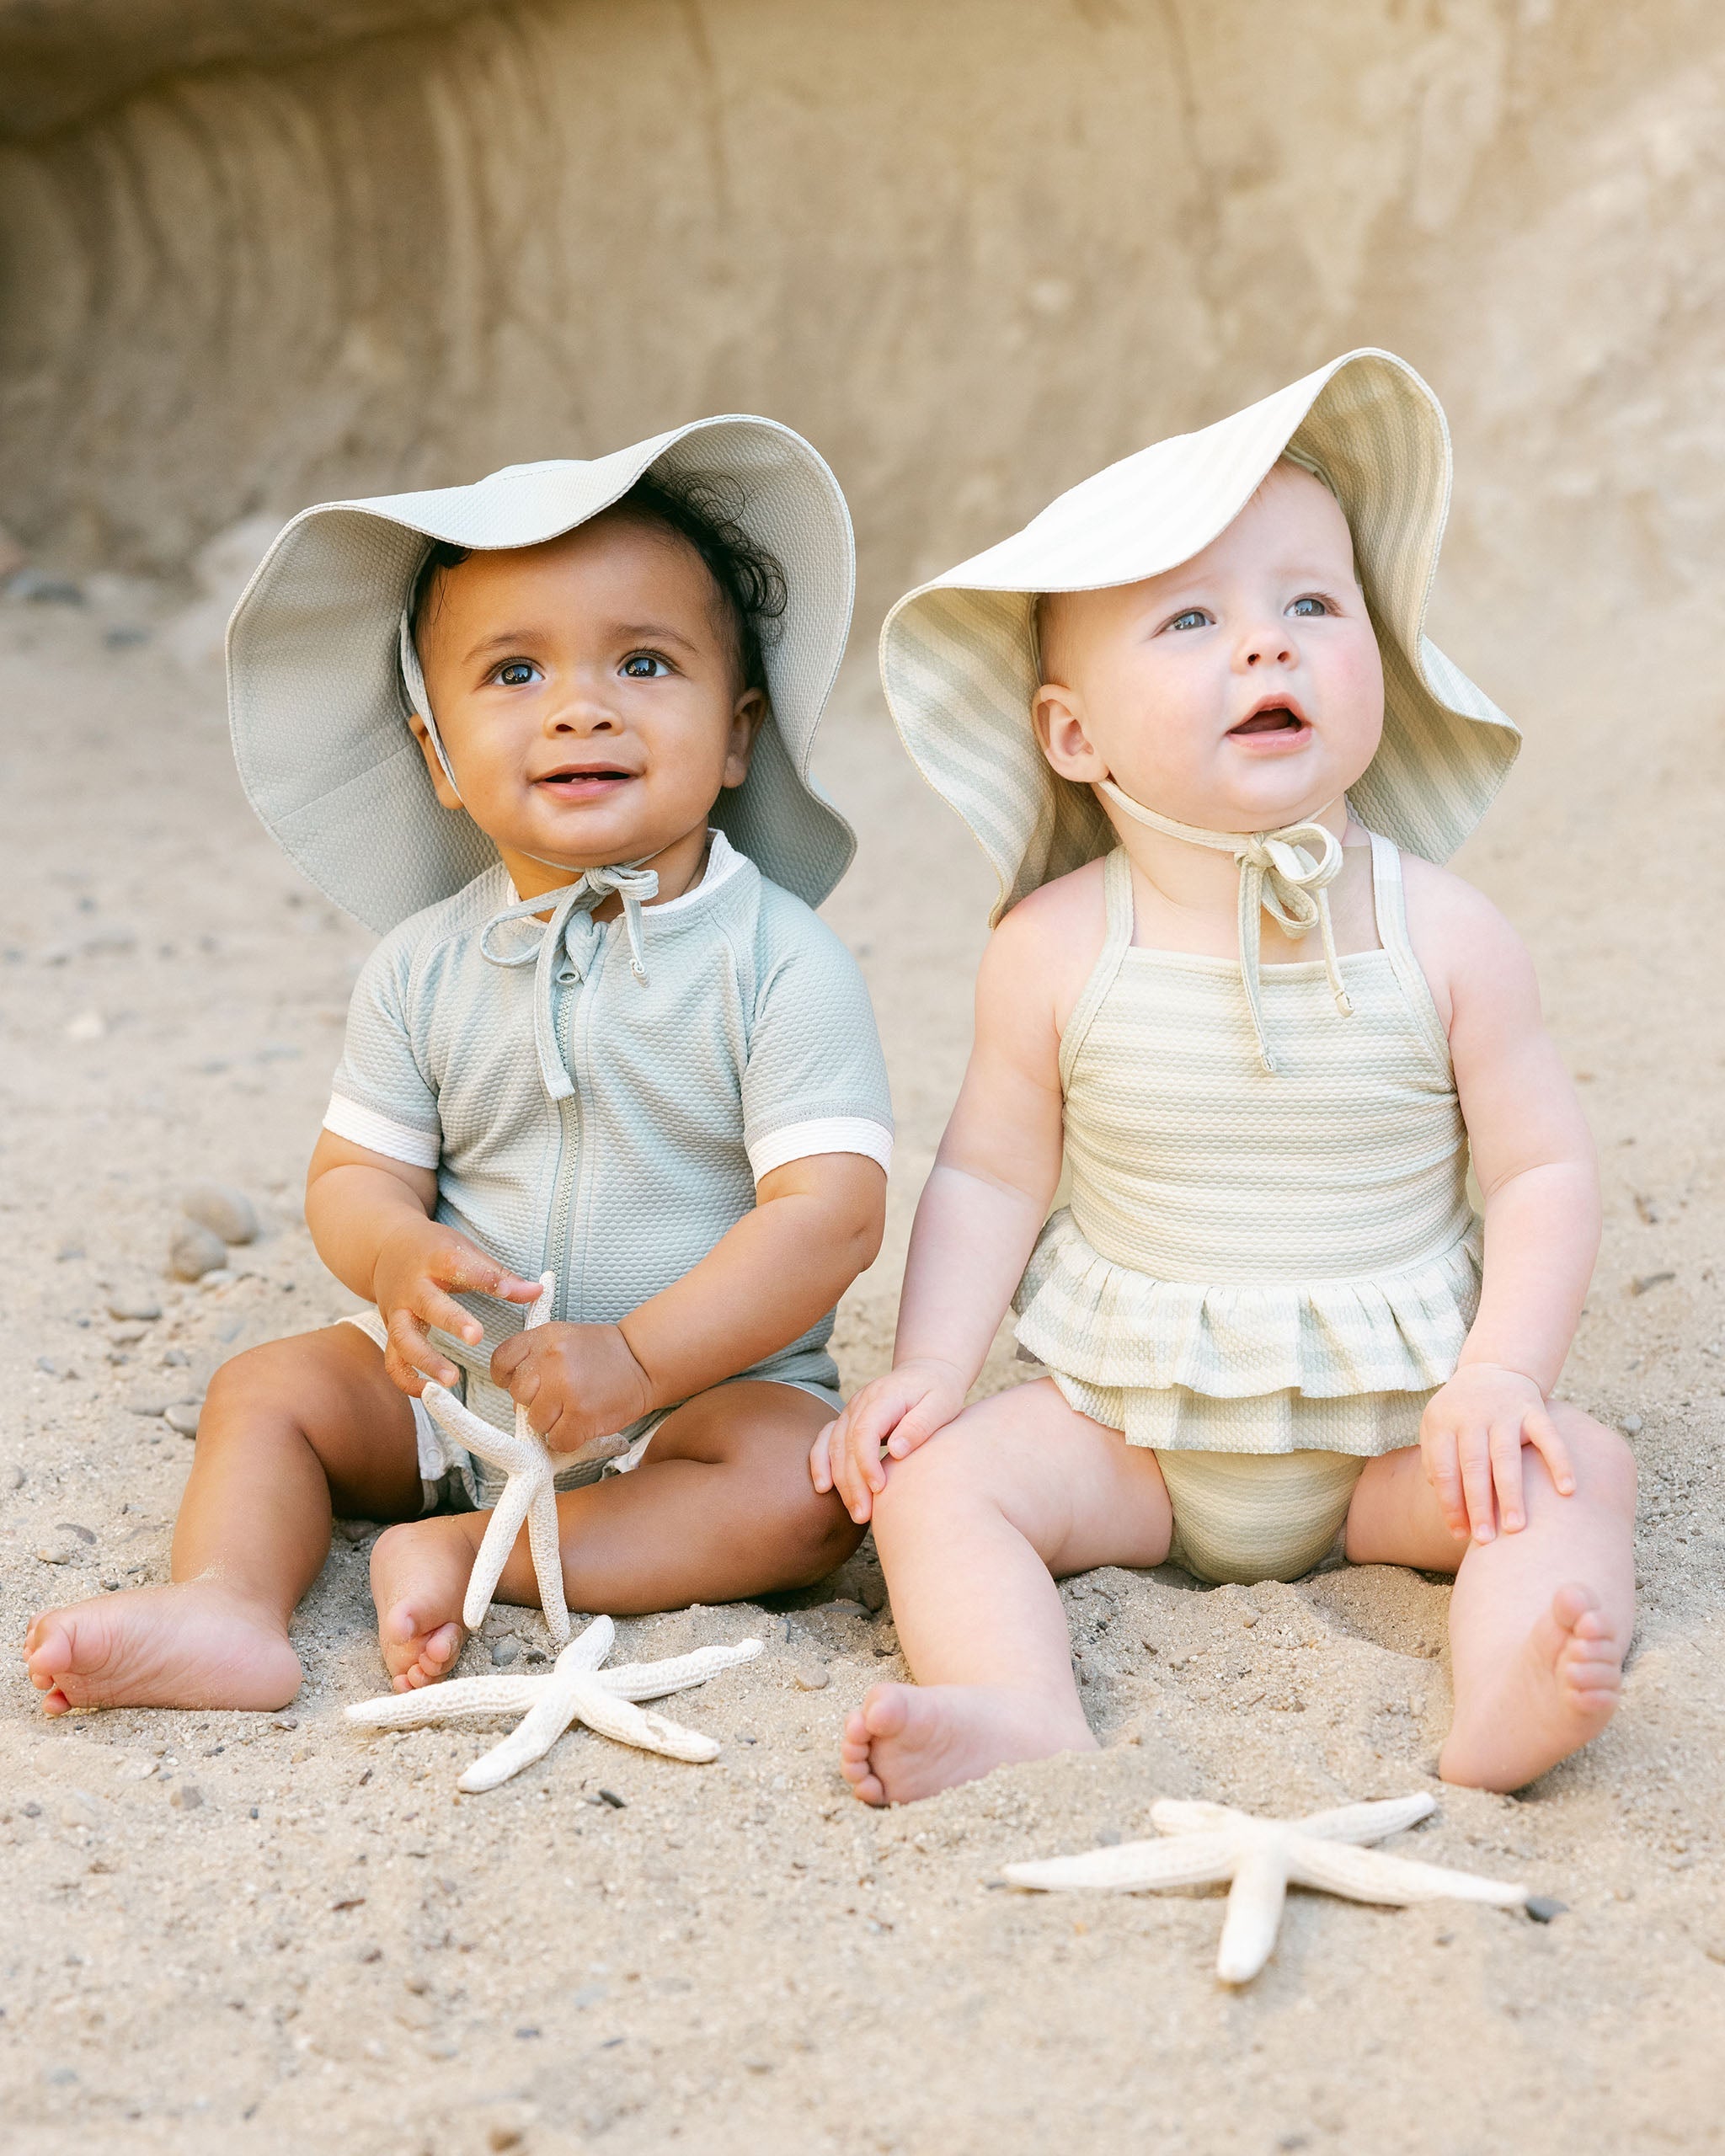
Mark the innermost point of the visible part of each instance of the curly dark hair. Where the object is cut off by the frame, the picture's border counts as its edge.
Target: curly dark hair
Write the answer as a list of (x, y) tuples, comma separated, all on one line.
[(701, 510)]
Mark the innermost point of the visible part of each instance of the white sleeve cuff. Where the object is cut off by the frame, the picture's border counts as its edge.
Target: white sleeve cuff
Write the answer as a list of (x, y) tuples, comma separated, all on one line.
[(380, 1134), (833, 1133)]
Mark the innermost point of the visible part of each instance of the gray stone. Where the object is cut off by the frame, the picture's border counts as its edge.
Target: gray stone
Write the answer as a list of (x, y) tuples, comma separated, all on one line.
[(223, 1210), (187, 1797), (13, 1477), (127, 1303), (193, 1251), (1630, 1425), (1542, 1908), (810, 1677), (183, 1416), (128, 1335), (505, 1650)]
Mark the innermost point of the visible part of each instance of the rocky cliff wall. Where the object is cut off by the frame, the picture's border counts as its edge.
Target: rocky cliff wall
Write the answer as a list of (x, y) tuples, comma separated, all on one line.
[(254, 255)]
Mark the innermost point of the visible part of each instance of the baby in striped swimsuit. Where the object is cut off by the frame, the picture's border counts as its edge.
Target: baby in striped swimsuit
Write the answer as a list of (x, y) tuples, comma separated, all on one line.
[(1191, 715)]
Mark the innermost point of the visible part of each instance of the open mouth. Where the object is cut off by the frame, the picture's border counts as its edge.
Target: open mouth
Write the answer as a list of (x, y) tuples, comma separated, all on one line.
[(584, 781), (1270, 719)]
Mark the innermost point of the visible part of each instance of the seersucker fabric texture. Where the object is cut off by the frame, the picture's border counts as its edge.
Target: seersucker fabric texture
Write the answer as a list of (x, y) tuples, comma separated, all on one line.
[(1247, 1516), (318, 707), (1250, 1261), (958, 658), (749, 1043)]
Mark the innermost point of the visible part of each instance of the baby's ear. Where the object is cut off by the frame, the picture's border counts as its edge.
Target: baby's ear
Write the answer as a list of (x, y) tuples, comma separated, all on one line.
[(749, 714), (448, 797), (1058, 716)]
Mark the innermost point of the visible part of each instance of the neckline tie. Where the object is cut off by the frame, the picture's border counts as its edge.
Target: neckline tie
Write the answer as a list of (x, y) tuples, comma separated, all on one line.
[(564, 948)]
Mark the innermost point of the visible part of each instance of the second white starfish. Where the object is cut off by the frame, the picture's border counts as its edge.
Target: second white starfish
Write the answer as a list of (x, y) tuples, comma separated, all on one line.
[(575, 1689), (529, 1493), (1262, 1857)]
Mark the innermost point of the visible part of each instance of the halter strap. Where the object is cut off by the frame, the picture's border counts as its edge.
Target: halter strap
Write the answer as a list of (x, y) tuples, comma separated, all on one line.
[(1278, 876), (564, 948)]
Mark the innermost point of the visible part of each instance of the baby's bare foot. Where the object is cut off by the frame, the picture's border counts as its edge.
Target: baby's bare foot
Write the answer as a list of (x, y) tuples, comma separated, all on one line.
[(195, 1644), (1548, 1700), (907, 1741), (419, 1579)]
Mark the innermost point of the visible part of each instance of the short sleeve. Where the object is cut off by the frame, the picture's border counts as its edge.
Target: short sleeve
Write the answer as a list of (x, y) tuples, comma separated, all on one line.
[(815, 1079), (381, 1097)]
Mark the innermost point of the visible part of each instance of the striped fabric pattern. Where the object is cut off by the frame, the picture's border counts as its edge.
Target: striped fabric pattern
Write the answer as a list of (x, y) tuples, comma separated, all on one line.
[(958, 656), (1252, 1263)]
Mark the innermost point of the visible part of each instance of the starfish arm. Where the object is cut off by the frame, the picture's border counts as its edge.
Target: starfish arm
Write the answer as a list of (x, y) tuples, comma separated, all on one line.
[(1135, 1867), (1171, 1816), (1370, 1876), (460, 1699), (626, 1723), (466, 1428), (532, 1738), (1367, 1823), (543, 1540), (652, 1680), (589, 1647), (1255, 1902), (494, 1546)]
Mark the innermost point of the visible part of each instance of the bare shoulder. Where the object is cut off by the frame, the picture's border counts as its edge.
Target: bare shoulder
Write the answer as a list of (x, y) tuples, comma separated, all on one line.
[(1464, 945), (1058, 931)]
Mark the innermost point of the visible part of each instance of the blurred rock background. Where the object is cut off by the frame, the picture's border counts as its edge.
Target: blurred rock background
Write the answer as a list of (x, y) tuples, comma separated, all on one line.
[(252, 255)]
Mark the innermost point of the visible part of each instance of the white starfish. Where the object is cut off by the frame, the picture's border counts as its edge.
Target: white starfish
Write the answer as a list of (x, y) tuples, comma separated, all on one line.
[(1261, 1857), (529, 1493), (575, 1689)]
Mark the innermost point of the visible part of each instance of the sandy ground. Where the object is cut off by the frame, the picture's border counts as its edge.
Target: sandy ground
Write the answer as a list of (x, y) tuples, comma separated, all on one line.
[(230, 1931)]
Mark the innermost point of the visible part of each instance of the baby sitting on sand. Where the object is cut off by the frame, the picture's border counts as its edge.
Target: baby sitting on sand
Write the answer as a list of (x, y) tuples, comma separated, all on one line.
[(596, 1039), (1193, 693)]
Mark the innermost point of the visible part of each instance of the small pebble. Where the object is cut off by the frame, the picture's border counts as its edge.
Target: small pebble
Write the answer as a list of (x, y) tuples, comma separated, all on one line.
[(149, 1403), (611, 1797), (221, 1276), (1645, 1281), (13, 1477), (127, 1336), (1542, 1908), (57, 1554), (176, 1359), (193, 1251), (183, 1417), (223, 1210), (187, 1797), (810, 1677), (67, 1251), (134, 1303), (72, 1527), (1630, 1425), (842, 1608), (505, 1650)]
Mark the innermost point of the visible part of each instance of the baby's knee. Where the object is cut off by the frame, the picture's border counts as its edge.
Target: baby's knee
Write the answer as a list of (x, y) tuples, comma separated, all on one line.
[(1604, 1466), (934, 1479)]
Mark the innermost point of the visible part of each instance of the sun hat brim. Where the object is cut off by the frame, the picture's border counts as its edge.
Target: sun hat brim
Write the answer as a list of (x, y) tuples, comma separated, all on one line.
[(957, 655), (318, 713)]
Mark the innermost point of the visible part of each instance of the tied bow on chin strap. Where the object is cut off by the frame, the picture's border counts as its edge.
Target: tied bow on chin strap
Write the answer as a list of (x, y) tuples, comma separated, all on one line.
[(1278, 876), (564, 951)]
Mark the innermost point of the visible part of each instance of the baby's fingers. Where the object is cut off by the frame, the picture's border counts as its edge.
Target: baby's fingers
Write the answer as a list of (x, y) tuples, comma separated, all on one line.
[(1475, 1451), (1506, 1474), (820, 1464), (431, 1307), (1542, 1434), (409, 1357), (1444, 1476)]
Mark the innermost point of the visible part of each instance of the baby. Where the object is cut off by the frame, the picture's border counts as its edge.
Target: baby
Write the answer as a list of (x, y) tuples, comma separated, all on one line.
[(542, 730), (1268, 1315)]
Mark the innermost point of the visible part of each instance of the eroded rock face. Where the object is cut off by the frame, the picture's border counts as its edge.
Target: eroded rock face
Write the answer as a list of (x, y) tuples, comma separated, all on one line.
[(974, 252)]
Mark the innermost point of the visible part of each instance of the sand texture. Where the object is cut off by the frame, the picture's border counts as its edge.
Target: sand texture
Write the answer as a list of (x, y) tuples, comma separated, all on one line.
[(228, 1931)]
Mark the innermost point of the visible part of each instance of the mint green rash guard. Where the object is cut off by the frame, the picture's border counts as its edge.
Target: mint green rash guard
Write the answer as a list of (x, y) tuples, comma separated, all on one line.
[(603, 1108)]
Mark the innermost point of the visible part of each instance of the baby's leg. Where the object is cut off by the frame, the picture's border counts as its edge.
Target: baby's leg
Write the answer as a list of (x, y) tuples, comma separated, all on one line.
[(971, 1530), (284, 1428), (1539, 1620), (720, 1508)]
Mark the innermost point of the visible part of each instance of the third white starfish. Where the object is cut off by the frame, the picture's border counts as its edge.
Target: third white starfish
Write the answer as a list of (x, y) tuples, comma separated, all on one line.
[(1261, 1857)]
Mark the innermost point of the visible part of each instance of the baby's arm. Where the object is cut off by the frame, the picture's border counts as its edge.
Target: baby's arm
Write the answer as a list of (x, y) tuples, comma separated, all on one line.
[(1533, 1156), (370, 1218), (816, 1223), (980, 1212)]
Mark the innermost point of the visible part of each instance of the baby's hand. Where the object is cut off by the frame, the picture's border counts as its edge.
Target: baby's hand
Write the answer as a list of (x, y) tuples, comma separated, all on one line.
[(1471, 1437), (901, 1411), (416, 1265), (577, 1382)]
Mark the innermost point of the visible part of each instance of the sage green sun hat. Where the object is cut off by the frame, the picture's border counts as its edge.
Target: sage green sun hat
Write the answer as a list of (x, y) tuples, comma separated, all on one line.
[(958, 658), (319, 705)]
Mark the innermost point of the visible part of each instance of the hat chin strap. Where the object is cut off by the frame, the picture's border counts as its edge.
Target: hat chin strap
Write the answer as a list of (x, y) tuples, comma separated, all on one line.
[(1278, 876)]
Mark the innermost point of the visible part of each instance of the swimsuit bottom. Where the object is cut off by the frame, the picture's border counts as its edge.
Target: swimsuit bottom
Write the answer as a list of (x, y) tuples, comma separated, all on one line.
[(1251, 1516)]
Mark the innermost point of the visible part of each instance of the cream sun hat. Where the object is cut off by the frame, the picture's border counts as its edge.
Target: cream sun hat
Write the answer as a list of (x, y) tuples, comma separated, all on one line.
[(958, 658), (319, 702)]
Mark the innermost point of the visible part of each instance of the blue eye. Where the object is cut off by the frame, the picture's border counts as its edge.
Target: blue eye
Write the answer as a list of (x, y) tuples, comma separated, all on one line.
[(1194, 617), (1311, 605), (643, 666), (516, 674)]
